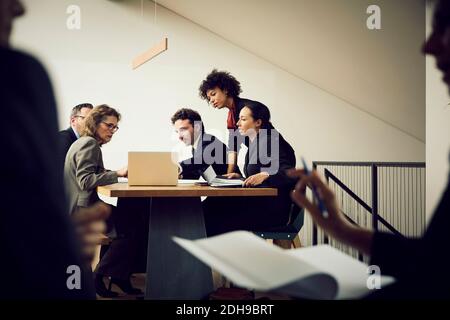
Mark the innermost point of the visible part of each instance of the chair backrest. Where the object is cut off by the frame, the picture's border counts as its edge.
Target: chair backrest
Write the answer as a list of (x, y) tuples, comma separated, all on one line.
[(297, 218), (288, 232)]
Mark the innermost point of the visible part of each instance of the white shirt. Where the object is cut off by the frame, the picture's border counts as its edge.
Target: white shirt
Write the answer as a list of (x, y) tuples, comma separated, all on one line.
[(76, 133), (241, 158), (195, 145)]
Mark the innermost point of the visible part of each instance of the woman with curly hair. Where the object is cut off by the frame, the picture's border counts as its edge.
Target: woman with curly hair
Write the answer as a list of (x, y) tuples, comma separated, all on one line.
[(222, 90)]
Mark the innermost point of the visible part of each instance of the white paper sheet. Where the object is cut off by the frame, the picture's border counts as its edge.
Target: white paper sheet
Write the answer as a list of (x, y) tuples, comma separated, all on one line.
[(251, 262)]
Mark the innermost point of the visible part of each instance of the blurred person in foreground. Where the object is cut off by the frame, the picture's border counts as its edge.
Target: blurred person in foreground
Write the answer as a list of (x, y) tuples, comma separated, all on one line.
[(39, 241), (419, 264)]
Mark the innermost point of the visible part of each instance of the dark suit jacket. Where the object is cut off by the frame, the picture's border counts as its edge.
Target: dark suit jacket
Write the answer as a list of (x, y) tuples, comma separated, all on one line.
[(37, 238), (66, 137), (210, 151), (271, 153), (256, 213), (420, 265)]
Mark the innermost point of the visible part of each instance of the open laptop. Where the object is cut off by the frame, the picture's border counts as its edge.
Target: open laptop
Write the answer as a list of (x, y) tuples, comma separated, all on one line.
[(218, 181), (152, 169)]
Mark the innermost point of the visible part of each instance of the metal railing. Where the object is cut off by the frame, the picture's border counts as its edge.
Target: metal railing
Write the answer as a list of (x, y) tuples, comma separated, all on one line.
[(384, 196)]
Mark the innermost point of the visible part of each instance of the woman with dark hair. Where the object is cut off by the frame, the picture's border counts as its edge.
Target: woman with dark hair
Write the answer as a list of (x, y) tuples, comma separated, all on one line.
[(83, 173), (222, 90), (268, 157)]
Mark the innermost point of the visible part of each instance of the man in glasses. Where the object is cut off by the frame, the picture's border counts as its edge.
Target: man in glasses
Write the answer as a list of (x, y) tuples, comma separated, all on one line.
[(71, 134)]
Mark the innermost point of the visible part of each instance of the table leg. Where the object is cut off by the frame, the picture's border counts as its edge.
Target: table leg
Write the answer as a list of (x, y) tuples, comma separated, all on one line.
[(172, 272)]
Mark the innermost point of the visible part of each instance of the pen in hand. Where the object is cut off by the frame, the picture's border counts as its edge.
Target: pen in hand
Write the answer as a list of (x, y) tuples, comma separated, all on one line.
[(322, 208)]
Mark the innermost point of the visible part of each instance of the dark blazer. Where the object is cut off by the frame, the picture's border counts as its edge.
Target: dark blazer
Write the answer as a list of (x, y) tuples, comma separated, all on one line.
[(210, 151), (420, 265), (276, 163), (36, 235), (66, 137), (256, 213)]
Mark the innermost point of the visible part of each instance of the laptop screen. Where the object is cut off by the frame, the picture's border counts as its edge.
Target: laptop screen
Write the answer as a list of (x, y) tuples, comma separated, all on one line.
[(209, 174)]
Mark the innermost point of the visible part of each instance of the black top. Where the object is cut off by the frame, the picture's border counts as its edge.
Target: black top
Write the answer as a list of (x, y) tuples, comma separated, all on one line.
[(225, 214), (37, 238), (271, 153), (66, 137), (420, 265), (210, 151)]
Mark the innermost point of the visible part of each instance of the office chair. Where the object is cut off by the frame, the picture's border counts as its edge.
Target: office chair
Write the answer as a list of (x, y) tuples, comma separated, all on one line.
[(287, 236)]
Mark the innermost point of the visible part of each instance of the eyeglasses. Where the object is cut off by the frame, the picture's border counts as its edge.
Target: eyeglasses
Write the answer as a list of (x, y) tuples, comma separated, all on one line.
[(112, 127)]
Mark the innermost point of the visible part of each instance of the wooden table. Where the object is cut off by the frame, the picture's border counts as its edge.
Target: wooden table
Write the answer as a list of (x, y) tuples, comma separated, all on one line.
[(173, 273)]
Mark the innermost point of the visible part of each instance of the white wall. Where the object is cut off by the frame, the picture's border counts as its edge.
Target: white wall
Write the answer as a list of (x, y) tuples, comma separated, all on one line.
[(354, 62), (437, 129), (93, 64)]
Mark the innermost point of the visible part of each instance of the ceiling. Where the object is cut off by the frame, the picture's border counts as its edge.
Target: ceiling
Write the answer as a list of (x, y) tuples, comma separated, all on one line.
[(327, 43)]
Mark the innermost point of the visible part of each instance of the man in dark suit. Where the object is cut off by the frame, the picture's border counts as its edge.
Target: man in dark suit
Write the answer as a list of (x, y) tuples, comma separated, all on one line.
[(40, 250), (71, 134), (206, 149)]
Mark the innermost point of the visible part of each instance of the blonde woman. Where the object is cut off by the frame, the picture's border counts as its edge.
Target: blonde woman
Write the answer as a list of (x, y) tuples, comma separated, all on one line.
[(83, 173)]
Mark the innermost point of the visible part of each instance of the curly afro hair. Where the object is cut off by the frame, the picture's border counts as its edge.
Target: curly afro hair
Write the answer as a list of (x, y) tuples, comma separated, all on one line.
[(222, 79)]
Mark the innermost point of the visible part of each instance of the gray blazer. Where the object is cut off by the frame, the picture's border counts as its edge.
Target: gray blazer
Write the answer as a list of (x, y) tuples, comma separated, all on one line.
[(84, 172)]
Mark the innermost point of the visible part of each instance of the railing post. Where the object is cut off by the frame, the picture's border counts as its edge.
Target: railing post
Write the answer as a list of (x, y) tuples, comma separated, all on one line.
[(326, 240), (375, 197), (314, 229)]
